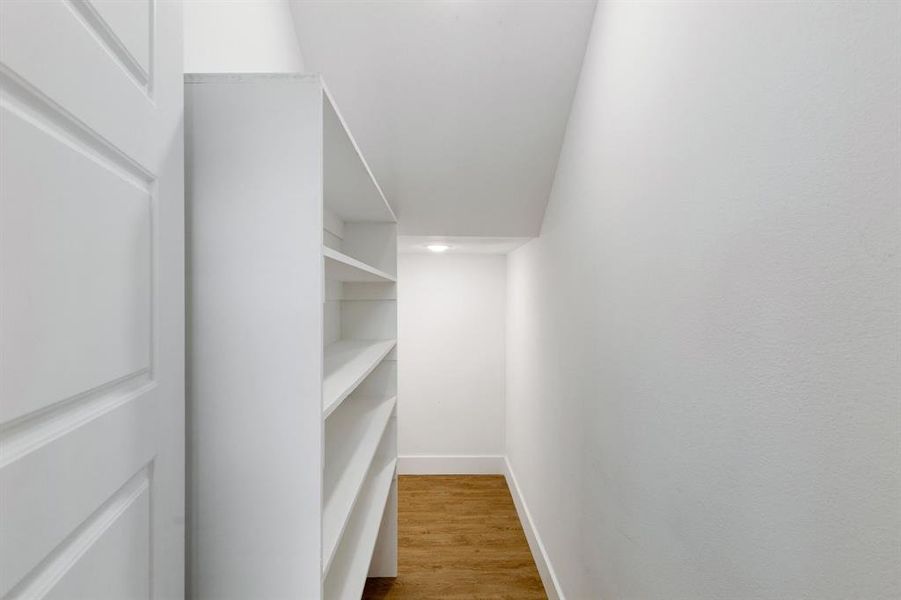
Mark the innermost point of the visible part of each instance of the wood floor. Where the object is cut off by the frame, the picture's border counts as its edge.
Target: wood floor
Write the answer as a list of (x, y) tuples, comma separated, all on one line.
[(459, 537)]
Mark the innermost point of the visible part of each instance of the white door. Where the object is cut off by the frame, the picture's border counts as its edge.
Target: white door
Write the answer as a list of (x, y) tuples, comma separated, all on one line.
[(91, 300)]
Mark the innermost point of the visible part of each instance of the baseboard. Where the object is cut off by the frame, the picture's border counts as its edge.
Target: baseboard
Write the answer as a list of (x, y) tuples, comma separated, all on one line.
[(545, 569), (450, 465)]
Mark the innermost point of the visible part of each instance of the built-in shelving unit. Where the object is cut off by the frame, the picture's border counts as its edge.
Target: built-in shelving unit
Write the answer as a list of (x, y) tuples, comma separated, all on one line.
[(360, 376), (293, 363)]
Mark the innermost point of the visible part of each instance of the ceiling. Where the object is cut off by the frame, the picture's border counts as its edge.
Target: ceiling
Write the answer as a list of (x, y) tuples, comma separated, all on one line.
[(459, 106), (418, 244)]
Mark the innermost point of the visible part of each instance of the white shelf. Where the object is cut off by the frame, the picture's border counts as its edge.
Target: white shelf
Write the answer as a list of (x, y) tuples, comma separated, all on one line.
[(347, 576), (341, 267), (352, 437), (347, 363)]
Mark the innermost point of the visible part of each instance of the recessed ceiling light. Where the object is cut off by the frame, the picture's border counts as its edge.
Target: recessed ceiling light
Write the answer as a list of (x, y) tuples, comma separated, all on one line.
[(438, 247)]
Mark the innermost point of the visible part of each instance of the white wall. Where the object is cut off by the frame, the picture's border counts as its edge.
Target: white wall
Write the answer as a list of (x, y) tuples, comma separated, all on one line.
[(703, 346), (240, 36), (451, 334)]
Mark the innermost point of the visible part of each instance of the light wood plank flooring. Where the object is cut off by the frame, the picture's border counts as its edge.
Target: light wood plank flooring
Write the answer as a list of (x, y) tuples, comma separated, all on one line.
[(459, 537)]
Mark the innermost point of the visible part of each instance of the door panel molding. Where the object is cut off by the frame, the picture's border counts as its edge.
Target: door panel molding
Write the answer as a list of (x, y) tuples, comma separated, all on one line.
[(78, 473), (48, 45), (115, 46), (27, 434), (44, 577), (79, 289), (28, 103)]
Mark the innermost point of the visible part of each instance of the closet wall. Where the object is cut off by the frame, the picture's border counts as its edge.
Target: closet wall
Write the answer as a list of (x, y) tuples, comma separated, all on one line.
[(240, 36), (451, 323), (703, 351)]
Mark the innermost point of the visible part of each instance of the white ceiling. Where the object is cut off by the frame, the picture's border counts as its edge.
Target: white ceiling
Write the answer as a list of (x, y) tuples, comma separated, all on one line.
[(418, 244), (459, 106)]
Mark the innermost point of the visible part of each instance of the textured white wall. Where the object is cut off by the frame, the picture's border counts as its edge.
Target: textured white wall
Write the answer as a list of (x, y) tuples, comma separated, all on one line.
[(240, 36), (451, 323), (703, 344)]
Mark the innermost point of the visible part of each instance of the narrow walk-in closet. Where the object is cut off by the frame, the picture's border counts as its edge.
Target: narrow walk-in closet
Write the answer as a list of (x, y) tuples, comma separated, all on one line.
[(450, 300)]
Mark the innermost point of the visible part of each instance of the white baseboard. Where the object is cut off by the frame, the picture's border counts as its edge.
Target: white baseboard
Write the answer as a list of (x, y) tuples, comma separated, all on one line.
[(545, 569), (451, 465)]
